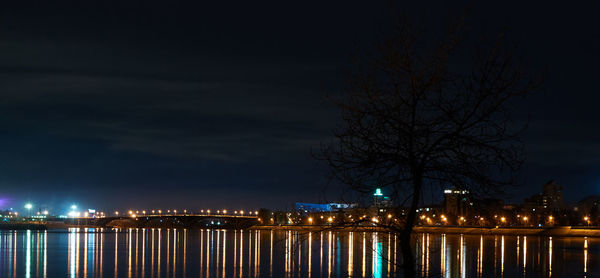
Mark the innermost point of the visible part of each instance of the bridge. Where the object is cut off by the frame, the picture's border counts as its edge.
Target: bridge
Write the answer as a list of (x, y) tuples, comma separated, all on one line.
[(189, 221)]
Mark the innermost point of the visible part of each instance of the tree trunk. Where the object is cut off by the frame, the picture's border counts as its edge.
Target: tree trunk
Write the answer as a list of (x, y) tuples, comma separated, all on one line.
[(405, 236)]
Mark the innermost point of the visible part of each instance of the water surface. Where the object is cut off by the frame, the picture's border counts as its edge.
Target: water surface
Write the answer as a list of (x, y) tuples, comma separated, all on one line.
[(254, 253)]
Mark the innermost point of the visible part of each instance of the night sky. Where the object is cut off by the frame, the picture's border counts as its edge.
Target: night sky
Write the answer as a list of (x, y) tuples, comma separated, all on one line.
[(219, 104)]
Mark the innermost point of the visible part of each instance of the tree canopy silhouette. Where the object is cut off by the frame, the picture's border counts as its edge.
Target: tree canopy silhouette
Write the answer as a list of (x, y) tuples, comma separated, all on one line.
[(415, 115)]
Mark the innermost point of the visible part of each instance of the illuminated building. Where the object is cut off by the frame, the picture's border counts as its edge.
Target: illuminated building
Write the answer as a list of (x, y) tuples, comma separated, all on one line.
[(331, 207), (457, 201), (381, 201)]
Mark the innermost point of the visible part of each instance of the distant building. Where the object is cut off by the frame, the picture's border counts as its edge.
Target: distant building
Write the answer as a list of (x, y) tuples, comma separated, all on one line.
[(551, 198), (457, 201), (588, 206), (331, 207), (381, 201)]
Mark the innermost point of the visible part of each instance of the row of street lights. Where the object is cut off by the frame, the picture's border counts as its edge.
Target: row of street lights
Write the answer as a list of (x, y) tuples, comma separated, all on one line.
[(134, 213)]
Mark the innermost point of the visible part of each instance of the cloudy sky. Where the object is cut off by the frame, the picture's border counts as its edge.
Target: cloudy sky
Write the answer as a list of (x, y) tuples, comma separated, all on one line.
[(172, 104)]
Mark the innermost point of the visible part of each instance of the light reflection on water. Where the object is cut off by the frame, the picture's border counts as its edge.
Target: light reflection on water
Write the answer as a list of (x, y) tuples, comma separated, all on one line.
[(507, 256), (254, 253)]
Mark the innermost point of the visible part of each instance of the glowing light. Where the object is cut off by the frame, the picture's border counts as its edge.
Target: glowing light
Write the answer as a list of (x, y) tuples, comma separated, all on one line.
[(73, 207), (28, 206), (378, 192), (389, 216), (310, 220), (330, 219), (45, 212), (503, 219)]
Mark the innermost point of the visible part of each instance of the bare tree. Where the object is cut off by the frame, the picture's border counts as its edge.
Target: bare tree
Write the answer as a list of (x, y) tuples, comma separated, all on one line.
[(414, 117)]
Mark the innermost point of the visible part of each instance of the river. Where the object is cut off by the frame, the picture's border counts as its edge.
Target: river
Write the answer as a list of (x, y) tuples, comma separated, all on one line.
[(260, 253)]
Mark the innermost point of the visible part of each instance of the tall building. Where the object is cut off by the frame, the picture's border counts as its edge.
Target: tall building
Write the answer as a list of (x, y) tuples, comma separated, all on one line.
[(457, 201), (379, 200), (552, 197)]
